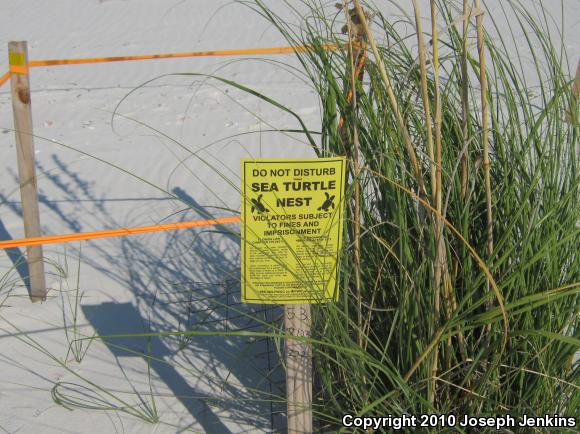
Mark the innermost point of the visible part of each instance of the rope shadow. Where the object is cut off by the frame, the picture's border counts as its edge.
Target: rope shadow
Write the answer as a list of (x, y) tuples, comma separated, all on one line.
[(18, 259)]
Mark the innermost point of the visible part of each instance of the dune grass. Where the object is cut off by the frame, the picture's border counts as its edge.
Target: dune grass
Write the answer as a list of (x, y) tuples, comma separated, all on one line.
[(469, 267)]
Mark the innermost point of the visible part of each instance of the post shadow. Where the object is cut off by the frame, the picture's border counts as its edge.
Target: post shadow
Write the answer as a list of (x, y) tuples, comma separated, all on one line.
[(111, 319), (193, 283), (17, 258)]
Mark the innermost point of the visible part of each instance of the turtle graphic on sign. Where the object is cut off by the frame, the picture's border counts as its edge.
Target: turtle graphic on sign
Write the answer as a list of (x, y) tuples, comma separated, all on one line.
[(257, 205), (328, 203)]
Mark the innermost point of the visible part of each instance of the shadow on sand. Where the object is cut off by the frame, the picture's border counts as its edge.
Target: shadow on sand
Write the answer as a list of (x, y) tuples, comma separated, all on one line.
[(17, 258), (123, 318), (180, 281)]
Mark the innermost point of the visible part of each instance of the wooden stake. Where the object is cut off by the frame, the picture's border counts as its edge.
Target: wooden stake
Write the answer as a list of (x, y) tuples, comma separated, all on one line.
[(297, 322), (20, 87)]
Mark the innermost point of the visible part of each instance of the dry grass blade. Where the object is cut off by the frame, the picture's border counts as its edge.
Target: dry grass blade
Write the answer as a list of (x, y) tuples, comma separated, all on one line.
[(464, 100), (393, 100), (485, 132), (440, 261), (425, 94), (355, 74)]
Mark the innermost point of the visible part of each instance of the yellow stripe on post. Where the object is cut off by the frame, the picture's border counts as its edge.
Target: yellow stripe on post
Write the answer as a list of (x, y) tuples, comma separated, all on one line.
[(18, 63)]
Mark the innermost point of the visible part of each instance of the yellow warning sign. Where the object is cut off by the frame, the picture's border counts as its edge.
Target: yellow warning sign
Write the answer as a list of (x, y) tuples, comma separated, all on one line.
[(291, 229)]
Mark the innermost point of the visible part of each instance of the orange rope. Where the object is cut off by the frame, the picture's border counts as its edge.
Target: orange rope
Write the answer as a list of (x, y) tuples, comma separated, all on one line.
[(273, 50), (25, 242), (244, 51), (4, 78)]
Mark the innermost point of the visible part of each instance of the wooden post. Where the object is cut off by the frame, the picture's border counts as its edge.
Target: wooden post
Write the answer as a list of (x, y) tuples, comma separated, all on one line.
[(20, 86), (297, 322)]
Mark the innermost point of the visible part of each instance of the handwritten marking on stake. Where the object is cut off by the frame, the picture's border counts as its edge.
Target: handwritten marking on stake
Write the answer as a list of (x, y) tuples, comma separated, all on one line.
[(297, 321), (115, 232)]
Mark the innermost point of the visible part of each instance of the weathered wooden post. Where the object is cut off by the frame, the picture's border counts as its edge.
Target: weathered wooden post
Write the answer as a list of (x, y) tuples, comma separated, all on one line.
[(297, 322), (20, 87)]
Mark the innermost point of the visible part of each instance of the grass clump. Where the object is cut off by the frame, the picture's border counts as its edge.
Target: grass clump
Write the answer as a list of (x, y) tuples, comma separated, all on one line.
[(461, 275)]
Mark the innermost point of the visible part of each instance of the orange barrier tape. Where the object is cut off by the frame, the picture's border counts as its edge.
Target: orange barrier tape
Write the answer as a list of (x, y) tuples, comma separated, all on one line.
[(19, 69), (25, 242), (245, 51), (4, 78)]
